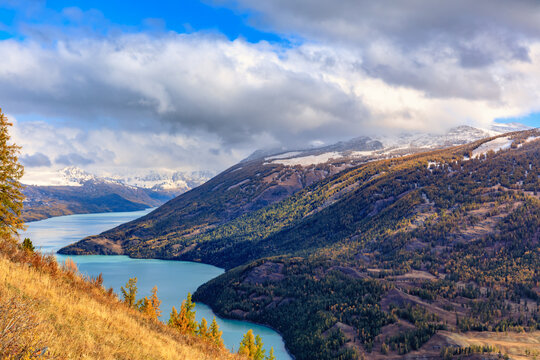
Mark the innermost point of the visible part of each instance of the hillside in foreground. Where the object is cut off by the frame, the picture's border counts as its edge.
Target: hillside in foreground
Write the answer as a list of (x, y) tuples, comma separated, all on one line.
[(49, 312)]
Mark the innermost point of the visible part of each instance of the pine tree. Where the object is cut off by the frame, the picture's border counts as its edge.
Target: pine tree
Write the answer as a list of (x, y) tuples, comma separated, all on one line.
[(130, 293), (271, 355), (202, 331), (184, 321), (155, 302), (259, 351), (215, 334), (174, 319), (187, 315), (145, 306), (248, 347), (27, 245), (251, 346), (11, 171)]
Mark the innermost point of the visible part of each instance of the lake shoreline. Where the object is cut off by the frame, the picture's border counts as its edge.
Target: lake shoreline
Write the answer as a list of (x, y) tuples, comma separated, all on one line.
[(175, 278), (219, 314)]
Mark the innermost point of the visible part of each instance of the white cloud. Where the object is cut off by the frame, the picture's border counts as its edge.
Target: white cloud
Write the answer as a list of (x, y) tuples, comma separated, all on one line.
[(194, 102)]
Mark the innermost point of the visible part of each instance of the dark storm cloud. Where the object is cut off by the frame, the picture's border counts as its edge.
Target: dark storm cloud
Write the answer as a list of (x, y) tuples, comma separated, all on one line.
[(36, 160)]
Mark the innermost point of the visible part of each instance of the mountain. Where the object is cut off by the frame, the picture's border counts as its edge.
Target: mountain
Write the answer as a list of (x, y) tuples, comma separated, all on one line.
[(258, 181), (366, 252), (79, 192)]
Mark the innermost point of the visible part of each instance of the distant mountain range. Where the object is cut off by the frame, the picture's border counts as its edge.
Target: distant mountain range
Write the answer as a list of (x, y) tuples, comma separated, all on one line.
[(77, 192), (415, 246)]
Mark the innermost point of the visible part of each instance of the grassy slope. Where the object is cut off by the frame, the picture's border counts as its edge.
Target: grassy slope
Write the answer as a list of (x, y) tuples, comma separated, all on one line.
[(76, 320)]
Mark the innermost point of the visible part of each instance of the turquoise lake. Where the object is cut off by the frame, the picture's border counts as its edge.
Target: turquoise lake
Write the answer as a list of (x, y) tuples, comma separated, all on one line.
[(174, 279)]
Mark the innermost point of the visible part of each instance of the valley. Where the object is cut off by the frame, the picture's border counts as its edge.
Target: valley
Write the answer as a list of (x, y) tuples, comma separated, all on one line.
[(374, 259)]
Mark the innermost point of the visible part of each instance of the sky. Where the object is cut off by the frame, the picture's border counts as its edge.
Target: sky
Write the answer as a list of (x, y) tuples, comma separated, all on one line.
[(132, 86)]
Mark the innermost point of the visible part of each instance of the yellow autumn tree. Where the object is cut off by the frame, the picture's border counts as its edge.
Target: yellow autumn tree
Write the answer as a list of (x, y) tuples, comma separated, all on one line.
[(251, 347), (215, 334), (11, 171), (184, 321), (150, 307), (202, 330)]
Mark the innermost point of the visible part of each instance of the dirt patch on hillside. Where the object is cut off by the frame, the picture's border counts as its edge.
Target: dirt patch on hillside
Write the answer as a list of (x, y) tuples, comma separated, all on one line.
[(267, 272), (400, 299)]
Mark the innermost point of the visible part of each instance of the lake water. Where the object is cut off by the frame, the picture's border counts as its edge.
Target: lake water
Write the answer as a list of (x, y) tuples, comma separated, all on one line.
[(174, 279)]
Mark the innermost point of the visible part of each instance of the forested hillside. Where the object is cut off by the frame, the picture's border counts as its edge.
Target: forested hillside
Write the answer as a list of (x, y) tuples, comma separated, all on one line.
[(435, 252), (42, 202)]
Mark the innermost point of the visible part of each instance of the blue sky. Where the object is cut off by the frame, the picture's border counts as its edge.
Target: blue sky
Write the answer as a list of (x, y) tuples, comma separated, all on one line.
[(183, 16), (198, 85), (533, 119)]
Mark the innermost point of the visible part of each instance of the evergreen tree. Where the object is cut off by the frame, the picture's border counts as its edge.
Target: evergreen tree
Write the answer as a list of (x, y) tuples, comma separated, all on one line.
[(259, 351), (129, 293), (251, 346), (11, 171), (184, 321), (187, 315), (248, 347), (215, 334), (174, 318), (155, 302), (145, 306), (202, 331), (27, 245)]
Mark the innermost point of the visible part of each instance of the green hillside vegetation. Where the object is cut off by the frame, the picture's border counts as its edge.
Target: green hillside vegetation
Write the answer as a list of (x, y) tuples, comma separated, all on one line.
[(375, 260)]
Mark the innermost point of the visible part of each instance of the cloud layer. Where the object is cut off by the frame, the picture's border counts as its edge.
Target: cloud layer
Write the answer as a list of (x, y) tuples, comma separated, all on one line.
[(200, 101)]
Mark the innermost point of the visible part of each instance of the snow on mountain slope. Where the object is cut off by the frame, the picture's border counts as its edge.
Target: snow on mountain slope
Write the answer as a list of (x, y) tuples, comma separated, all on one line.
[(309, 160), (498, 144), (383, 146)]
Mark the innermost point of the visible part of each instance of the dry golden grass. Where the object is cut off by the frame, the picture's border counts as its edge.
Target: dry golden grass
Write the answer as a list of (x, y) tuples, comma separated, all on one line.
[(76, 319), (518, 346)]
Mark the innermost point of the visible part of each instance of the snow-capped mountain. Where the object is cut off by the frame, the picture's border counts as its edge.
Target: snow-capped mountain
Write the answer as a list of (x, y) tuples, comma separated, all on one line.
[(170, 181), (383, 146), (75, 191)]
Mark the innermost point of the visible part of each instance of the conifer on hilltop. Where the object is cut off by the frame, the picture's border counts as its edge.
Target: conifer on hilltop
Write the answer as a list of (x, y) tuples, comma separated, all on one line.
[(150, 307), (202, 330), (184, 321), (129, 293), (215, 334), (11, 171)]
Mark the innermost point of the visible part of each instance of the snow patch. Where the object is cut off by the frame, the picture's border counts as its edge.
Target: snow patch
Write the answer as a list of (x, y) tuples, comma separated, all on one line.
[(361, 153), (309, 160), (532, 138), (283, 156), (498, 144)]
